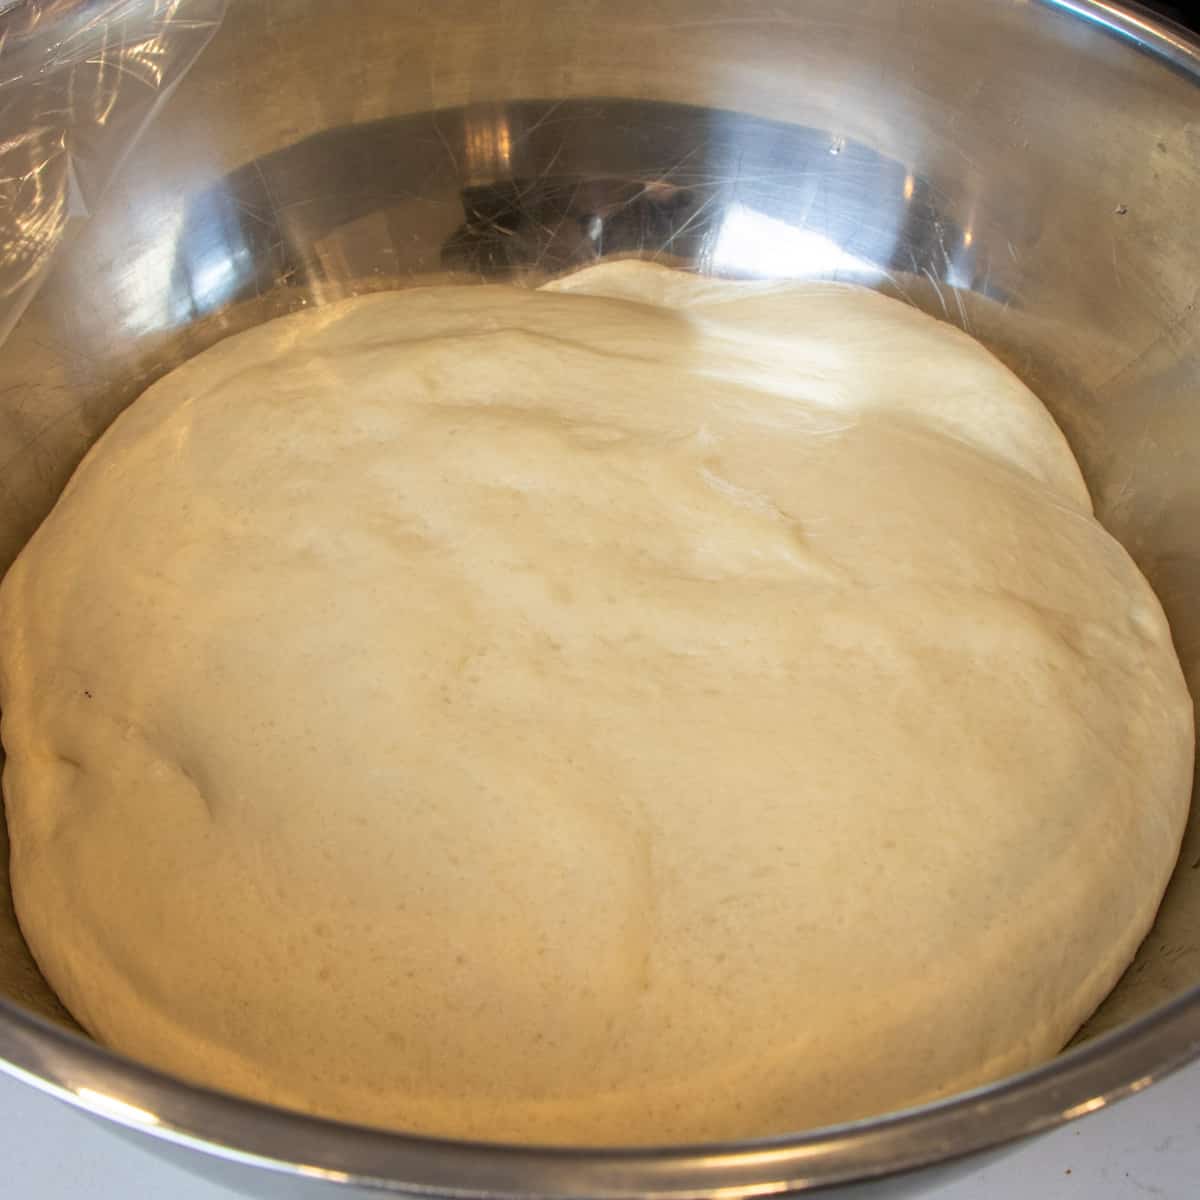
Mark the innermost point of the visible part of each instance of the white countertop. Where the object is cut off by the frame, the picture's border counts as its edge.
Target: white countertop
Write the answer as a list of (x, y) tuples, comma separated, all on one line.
[(1147, 1146)]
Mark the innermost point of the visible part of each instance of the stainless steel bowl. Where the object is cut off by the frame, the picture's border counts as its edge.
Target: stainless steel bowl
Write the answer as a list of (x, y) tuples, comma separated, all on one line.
[(1028, 170)]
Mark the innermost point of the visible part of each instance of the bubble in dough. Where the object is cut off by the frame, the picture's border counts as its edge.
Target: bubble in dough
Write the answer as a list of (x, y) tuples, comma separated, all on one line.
[(645, 709)]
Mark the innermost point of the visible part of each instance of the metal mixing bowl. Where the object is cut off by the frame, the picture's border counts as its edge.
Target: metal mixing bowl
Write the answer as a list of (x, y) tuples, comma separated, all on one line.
[(1030, 171)]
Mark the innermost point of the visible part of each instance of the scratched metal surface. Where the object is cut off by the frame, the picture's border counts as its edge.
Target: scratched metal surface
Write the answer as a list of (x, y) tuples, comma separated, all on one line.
[(1003, 165)]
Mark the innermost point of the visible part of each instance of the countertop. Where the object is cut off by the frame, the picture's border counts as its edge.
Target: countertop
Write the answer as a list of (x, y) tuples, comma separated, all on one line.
[(1146, 1146)]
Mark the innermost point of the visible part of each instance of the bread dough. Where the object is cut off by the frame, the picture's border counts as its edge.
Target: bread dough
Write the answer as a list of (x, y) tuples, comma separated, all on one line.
[(647, 709)]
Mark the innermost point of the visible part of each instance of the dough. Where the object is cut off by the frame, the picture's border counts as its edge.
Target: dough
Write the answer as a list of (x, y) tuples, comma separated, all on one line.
[(647, 709)]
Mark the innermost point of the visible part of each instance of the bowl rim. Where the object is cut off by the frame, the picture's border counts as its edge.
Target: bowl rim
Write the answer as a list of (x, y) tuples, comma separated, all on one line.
[(1091, 1076), (110, 1085)]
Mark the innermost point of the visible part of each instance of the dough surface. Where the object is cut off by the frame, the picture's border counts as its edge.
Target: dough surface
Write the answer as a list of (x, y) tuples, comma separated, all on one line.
[(642, 710)]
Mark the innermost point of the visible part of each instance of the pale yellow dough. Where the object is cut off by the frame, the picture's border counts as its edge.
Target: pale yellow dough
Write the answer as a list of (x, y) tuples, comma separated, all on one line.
[(646, 709)]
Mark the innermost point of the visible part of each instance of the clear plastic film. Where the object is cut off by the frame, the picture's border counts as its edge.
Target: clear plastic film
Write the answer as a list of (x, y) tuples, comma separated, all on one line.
[(79, 81)]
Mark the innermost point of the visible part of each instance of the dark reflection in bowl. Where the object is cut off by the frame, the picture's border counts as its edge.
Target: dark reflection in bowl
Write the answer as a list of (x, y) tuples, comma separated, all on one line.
[(517, 199)]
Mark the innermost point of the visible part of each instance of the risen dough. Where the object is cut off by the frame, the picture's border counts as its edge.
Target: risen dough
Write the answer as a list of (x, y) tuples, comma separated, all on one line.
[(643, 710)]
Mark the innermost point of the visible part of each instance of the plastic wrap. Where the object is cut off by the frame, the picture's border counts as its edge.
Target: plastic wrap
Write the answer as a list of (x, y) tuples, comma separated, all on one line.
[(79, 81)]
